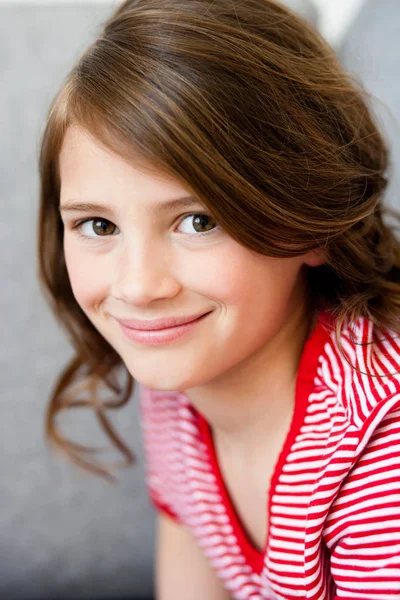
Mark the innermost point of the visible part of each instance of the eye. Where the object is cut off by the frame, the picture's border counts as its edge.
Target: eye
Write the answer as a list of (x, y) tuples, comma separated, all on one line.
[(200, 221), (98, 227)]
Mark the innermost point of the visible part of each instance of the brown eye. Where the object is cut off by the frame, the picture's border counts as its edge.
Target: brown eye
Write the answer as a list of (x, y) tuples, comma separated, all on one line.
[(202, 223), (103, 227), (92, 229)]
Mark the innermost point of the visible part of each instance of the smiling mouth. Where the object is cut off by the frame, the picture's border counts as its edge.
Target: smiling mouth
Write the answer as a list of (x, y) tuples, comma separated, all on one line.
[(162, 336), (158, 324)]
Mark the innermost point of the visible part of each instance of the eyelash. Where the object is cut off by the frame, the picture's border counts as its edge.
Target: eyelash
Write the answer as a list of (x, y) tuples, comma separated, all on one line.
[(77, 226)]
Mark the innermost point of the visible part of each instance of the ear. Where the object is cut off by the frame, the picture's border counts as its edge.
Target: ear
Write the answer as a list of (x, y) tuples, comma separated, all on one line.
[(315, 258)]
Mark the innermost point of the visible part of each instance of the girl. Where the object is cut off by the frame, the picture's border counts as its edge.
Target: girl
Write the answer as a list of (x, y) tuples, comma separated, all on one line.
[(209, 163)]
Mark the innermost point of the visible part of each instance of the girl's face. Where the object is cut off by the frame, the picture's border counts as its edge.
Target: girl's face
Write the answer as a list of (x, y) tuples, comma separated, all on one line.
[(134, 258)]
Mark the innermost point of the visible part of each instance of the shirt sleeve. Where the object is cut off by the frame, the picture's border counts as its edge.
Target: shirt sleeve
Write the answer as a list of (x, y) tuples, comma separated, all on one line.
[(365, 522)]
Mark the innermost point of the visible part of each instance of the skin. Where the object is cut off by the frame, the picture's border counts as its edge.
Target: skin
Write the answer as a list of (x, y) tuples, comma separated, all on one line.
[(239, 366)]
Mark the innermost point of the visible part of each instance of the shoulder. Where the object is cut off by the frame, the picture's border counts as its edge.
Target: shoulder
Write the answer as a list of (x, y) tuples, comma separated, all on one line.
[(166, 407), (168, 425), (362, 527), (362, 370), (165, 417)]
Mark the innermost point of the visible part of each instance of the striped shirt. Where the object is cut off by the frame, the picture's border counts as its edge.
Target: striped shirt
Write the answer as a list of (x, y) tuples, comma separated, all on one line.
[(334, 497)]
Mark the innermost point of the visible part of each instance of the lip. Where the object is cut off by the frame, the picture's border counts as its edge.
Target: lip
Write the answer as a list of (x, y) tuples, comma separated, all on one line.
[(162, 336), (158, 324)]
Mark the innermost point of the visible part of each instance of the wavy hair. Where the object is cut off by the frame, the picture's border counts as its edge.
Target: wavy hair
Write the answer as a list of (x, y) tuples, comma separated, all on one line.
[(247, 105)]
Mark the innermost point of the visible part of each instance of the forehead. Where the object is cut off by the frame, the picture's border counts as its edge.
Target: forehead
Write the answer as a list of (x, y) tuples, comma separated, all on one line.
[(89, 170), (79, 148)]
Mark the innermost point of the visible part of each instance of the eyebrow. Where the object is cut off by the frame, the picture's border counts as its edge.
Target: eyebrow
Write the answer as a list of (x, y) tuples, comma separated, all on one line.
[(71, 206)]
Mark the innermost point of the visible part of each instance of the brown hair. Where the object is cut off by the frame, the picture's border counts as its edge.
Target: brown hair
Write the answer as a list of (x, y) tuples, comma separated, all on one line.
[(247, 105)]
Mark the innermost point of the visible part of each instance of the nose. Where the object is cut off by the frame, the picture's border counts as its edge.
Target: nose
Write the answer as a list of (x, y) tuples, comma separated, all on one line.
[(144, 273)]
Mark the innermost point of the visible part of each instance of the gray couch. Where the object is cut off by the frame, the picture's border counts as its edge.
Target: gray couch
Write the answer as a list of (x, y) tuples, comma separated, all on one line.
[(65, 535)]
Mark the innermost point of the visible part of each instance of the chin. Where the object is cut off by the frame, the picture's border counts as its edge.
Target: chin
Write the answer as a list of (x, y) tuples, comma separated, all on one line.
[(167, 383)]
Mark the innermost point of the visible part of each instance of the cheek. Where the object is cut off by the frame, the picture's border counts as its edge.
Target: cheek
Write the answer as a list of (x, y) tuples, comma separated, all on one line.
[(241, 277), (88, 282), (223, 276)]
